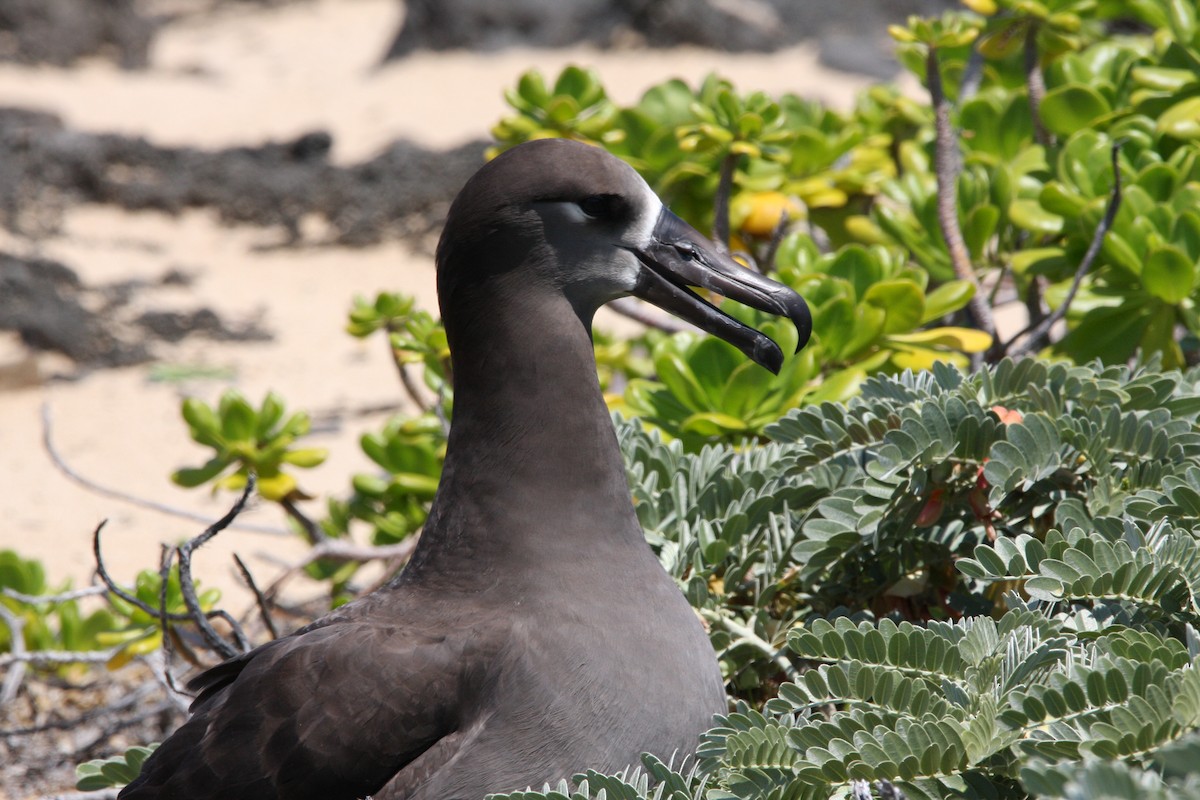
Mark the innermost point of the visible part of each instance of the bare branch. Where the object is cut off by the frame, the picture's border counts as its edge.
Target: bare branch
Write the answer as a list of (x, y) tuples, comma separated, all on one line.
[(112, 586), (55, 657), (261, 601), (721, 203), (17, 659), (632, 309), (65, 597), (102, 794), (946, 170), (188, 587), (1038, 332), (406, 380), (179, 699), (342, 550), (776, 239), (1035, 84), (166, 557), (312, 531), (92, 486)]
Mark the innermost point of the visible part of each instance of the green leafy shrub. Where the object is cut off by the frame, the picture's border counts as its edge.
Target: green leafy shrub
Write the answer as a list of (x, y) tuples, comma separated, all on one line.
[(962, 585), (49, 625), (141, 632), (252, 440), (105, 773), (937, 582)]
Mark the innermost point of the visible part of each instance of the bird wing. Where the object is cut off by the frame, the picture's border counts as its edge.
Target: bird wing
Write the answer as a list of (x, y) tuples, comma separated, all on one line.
[(333, 711)]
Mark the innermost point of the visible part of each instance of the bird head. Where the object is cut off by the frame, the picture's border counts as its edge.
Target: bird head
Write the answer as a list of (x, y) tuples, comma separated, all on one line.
[(568, 218)]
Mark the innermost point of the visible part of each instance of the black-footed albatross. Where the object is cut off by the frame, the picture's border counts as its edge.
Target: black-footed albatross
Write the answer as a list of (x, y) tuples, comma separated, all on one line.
[(534, 633)]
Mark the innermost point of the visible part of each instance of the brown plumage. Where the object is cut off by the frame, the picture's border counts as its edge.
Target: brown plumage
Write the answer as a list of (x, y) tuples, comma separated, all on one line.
[(534, 633)]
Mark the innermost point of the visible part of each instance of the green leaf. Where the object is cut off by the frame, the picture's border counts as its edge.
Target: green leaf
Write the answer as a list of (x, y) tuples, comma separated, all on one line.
[(1073, 107), (1181, 120), (1031, 216), (306, 457), (946, 299), (1169, 274), (191, 477), (902, 301), (238, 419)]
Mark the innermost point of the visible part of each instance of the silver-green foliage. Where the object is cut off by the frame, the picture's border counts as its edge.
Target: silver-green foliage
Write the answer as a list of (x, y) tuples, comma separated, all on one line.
[(953, 586)]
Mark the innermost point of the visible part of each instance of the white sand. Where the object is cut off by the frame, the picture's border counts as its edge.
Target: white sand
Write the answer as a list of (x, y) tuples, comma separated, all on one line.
[(240, 77)]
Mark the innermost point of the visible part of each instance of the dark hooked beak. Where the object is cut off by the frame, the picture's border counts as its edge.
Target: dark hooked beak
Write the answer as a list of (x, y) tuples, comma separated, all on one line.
[(679, 256)]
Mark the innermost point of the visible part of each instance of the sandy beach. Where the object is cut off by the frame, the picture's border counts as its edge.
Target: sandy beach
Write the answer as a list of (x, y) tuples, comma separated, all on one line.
[(235, 77)]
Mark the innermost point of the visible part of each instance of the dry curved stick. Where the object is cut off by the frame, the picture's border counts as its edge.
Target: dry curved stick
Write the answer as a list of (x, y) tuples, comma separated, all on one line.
[(19, 656), (66, 469), (188, 587), (65, 597), (196, 614), (634, 310), (112, 586), (261, 601), (340, 550)]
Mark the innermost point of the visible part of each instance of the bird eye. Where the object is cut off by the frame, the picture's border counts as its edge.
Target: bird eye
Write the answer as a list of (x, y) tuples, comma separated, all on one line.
[(600, 206)]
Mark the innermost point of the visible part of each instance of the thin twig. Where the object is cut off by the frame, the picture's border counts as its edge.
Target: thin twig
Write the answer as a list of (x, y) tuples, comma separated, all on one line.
[(1039, 331), (721, 203), (748, 636), (125, 497), (166, 558), (101, 794), (261, 601), (56, 657), (776, 239), (946, 169), (341, 550), (112, 586), (312, 531), (410, 387), (53, 599), (972, 75), (439, 410), (632, 309), (1035, 83), (17, 659), (188, 587), (161, 670)]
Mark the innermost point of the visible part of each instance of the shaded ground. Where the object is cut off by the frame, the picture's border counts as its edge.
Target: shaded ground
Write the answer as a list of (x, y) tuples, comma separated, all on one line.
[(57, 722)]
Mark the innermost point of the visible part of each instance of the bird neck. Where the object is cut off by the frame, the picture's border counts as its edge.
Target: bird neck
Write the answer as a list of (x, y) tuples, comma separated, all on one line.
[(533, 470)]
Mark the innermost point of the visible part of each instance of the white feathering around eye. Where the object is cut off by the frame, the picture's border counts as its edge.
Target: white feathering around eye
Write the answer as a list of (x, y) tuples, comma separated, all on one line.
[(641, 230), (574, 213)]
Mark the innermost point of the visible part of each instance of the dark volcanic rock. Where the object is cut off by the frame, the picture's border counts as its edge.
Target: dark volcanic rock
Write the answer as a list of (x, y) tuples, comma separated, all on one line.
[(851, 33), (40, 299), (63, 31), (405, 190), (175, 326), (46, 303)]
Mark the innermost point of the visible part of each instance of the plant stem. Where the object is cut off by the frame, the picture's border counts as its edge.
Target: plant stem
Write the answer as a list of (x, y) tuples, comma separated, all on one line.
[(747, 635), (721, 203), (410, 387), (1035, 84), (1037, 332), (946, 168)]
